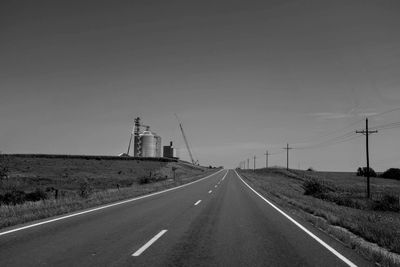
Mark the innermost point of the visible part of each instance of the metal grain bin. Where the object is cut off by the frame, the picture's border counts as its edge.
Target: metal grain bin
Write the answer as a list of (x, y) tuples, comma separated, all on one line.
[(148, 144)]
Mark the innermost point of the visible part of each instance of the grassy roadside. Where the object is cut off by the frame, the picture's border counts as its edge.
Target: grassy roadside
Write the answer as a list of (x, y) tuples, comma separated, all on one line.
[(30, 211), (374, 234), (39, 187)]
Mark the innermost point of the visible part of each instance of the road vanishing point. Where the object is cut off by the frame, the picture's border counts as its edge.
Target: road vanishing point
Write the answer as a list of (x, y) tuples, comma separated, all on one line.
[(216, 221)]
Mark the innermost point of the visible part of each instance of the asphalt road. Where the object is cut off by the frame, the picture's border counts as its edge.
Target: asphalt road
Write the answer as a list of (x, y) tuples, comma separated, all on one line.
[(218, 221)]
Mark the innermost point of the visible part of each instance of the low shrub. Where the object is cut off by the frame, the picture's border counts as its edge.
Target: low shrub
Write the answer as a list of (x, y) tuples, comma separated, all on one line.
[(13, 197), (85, 189), (387, 202), (36, 195), (144, 180), (4, 167), (313, 187)]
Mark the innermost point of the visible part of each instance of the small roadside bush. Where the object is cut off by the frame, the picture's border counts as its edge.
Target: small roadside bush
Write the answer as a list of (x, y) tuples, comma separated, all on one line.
[(388, 202), (4, 167), (85, 189), (313, 187), (13, 198), (145, 180), (392, 173), (36, 195)]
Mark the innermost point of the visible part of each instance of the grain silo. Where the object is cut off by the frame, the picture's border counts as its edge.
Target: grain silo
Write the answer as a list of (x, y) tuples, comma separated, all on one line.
[(148, 144)]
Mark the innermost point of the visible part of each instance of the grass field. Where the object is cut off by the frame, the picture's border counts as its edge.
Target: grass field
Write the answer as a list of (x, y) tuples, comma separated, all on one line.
[(342, 211), (67, 173), (72, 183)]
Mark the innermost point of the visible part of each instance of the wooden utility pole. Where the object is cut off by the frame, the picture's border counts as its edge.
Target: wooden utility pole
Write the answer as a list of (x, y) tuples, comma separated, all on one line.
[(266, 159), (248, 162), (366, 132), (254, 159), (287, 148)]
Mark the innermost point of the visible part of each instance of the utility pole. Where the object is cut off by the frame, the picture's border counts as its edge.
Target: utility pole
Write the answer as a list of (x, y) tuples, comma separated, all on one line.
[(248, 161), (287, 148), (366, 132), (254, 158), (266, 159)]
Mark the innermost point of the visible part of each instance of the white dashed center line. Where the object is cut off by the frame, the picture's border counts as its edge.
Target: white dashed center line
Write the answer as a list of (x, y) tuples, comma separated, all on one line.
[(148, 244), (216, 186), (197, 203), (210, 191)]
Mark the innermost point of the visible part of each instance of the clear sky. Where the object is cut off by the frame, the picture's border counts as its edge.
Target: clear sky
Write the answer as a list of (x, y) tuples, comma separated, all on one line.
[(244, 76)]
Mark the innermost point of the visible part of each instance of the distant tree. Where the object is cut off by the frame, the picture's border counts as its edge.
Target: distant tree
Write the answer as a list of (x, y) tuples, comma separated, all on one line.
[(392, 173), (372, 172), (364, 171)]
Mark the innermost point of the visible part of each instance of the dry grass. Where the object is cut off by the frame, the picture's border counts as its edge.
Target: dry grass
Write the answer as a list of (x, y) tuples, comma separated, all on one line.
[(106, 181), (359, 228), (30, 211)]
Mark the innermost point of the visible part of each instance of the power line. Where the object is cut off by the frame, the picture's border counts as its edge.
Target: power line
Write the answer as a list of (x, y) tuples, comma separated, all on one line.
[(323, 135), (336, 140), (385, 112), (387, 126)]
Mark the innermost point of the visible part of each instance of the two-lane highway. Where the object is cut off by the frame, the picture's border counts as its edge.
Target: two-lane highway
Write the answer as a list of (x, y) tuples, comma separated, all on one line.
[(218, 221)]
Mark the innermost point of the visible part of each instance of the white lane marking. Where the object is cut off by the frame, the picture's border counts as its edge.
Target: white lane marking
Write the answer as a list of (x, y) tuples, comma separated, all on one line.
[(148, 244), (210, 191), (216, 186), (335, 252), (225, 175), (197, 203), (103, 207)]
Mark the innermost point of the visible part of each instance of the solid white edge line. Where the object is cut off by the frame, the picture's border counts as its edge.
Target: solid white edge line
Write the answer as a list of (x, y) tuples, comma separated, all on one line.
[(332, 250), (104, 207), (197, 203), (149, 243)]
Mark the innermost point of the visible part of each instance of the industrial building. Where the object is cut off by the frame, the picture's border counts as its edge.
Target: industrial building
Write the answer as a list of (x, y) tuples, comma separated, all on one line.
[(146, 143), (169, 151)]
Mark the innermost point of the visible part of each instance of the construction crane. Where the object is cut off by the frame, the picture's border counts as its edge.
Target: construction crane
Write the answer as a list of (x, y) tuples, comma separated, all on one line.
[(195, 162)]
